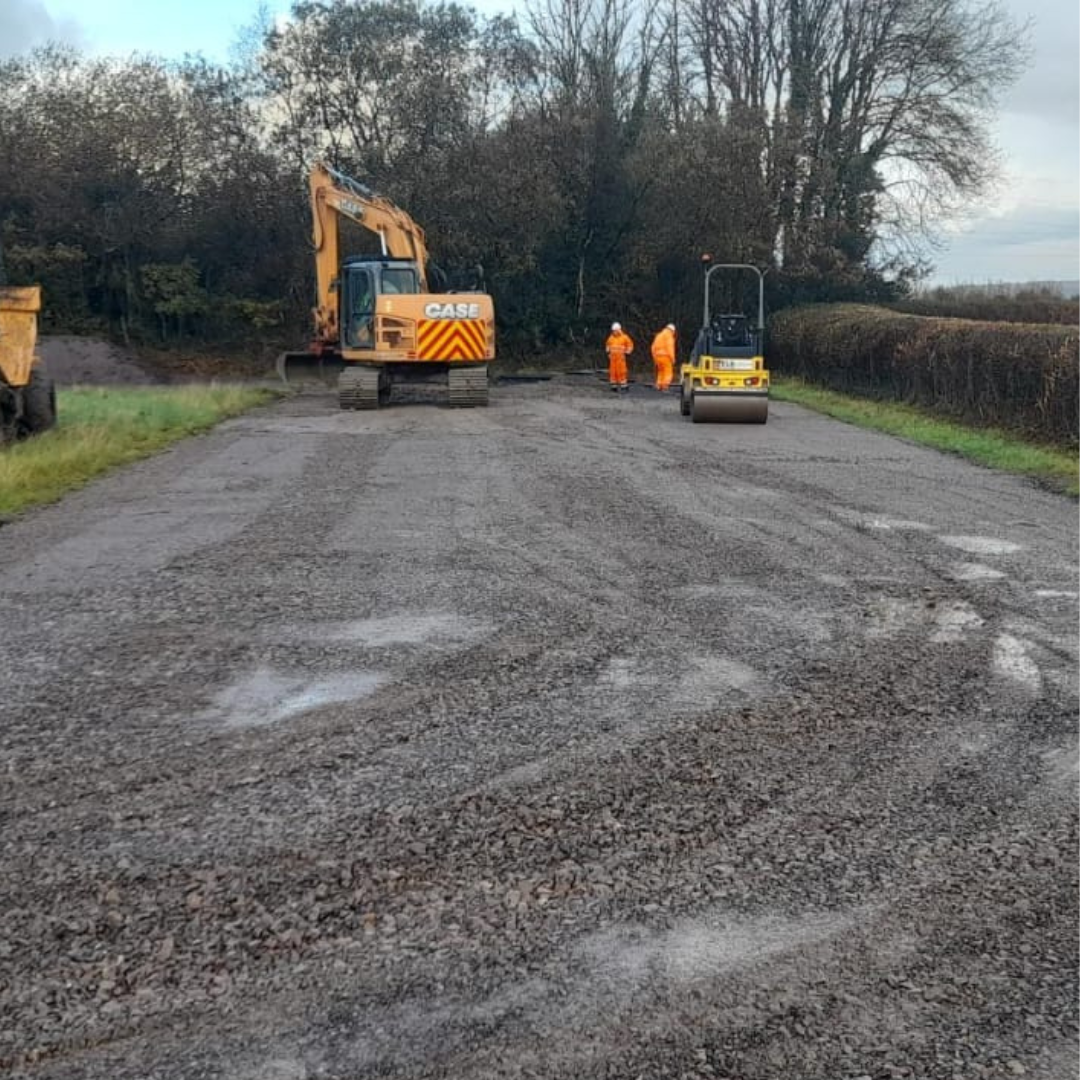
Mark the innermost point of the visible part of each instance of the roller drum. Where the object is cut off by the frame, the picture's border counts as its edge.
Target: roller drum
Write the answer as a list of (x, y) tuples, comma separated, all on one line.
[(729, 408)]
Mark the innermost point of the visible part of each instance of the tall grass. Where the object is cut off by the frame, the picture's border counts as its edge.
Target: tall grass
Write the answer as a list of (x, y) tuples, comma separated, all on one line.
[(101, 428)]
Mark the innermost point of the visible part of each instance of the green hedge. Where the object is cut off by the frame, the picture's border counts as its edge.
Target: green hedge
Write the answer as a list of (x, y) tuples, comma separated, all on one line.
[(1023, 308), (1019, 376)]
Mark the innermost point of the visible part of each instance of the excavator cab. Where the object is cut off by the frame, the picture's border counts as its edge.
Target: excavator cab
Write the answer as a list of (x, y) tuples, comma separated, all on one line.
[(361, 283), (726, 378)]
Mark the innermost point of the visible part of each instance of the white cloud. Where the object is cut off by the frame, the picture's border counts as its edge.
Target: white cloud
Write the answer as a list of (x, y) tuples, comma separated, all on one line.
[(26, 24), (1029, 242), (1049, 89), (1028, 228)]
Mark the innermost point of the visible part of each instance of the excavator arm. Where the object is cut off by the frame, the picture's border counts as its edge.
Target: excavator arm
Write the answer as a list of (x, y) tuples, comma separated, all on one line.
[(335, 196)]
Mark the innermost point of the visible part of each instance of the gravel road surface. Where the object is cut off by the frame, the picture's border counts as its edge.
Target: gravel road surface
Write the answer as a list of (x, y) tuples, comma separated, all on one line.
[(561, 739)]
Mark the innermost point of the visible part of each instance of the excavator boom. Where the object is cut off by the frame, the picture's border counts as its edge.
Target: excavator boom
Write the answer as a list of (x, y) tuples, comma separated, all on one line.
[(334, 196)]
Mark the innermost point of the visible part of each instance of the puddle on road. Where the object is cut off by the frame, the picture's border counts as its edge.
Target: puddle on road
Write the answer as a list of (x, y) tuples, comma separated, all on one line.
[(637, 698), (694, 680), (972, 571), (1062, 766), (1011, 661), (880, 522), (953, 619), (981, 545), (945, 623), (713, 675), (834, 581), (888, 616), (1057, 594), (621, 959), (405, 629), (622, 977), (619, 673), (402, 629), (266, 697)]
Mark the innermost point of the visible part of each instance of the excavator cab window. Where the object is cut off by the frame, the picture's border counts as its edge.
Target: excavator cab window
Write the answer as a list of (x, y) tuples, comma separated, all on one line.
[(399, 280), (358, 301)]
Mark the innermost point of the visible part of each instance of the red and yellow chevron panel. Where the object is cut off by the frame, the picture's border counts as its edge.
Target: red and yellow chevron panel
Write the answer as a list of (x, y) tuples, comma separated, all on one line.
[(451, 339)]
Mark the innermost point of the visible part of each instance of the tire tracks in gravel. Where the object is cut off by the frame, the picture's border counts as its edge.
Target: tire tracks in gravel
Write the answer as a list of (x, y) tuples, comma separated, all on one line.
[(722, 880), (538, 847)]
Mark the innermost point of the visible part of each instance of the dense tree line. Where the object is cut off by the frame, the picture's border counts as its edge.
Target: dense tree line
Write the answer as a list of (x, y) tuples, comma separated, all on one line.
[(585, 154)]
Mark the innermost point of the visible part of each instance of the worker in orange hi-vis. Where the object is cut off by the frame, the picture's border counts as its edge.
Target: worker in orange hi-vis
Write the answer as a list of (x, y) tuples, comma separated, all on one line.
[(619, 346), (663, 354)]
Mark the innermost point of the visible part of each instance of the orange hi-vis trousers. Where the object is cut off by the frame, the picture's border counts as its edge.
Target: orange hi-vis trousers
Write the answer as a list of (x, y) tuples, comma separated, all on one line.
[(665, 371), (617, 373)]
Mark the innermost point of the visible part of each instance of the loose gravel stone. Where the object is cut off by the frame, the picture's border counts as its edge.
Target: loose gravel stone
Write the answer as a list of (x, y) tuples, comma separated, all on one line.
[(562, 739)]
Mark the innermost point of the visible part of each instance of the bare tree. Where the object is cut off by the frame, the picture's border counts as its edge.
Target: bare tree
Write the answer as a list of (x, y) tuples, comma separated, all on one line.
[(586, 161), (873, 113)]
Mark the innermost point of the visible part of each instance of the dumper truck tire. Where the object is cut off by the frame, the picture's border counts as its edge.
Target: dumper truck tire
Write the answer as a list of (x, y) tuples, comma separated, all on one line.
[(39, 403)]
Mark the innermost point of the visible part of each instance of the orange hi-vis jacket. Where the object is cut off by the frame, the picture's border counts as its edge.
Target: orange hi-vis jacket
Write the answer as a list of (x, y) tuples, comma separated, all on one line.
[(619, 346), (663, 346), (663, 354)]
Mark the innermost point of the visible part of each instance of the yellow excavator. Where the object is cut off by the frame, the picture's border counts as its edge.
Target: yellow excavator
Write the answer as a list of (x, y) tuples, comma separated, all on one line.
[(376, 322), (27, 394)]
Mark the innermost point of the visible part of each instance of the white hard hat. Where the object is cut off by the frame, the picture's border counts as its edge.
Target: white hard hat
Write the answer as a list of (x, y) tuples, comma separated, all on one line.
[(670, 326), (616, 326)]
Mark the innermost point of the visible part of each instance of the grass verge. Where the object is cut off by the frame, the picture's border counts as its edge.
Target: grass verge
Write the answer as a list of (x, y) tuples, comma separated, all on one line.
[(101, 428), (1055, 467)]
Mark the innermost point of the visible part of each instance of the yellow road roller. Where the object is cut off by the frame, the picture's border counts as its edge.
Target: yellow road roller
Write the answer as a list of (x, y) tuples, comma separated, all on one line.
[(726, 379)]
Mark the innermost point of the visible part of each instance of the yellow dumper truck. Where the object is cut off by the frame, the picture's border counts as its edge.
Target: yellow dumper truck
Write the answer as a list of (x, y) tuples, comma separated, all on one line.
[(27, 394)]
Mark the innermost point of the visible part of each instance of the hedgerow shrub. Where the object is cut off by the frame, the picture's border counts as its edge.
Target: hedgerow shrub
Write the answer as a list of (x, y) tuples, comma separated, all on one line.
[(1017, 376)]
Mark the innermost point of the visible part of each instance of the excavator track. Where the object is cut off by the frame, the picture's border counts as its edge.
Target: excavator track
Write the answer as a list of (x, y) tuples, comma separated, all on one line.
[(358, 388), (467, 386)]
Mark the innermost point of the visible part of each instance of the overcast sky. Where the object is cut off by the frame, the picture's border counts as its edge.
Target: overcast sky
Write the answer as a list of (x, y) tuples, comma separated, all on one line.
[(1028, 230)]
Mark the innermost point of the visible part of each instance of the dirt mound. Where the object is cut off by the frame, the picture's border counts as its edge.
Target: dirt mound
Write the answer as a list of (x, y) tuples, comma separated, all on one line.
[(86, 361)]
